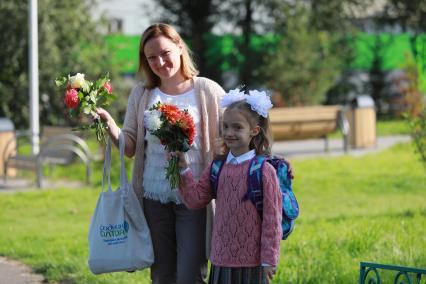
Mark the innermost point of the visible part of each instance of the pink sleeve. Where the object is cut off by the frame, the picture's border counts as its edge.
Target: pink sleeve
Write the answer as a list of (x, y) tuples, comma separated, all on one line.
[(196, 195), (271, 223)]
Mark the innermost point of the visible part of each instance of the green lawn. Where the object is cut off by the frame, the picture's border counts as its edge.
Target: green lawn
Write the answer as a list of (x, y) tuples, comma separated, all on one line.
[(353, 209), (384, 128)]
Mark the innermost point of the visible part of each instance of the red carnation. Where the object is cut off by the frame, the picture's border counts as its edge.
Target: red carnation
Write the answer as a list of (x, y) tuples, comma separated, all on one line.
[(71, 98), (108, 87)]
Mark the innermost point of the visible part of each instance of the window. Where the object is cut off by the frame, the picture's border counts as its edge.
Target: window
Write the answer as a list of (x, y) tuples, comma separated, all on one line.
[(115, 26)]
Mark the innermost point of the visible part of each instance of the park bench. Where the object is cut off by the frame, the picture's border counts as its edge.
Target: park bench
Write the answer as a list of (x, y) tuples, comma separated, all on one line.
[(58, 146), (370, 273), (291, 123)]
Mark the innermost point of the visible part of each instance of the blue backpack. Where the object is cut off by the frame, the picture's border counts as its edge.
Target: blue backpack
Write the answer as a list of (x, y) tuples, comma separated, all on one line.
[(290, 207)]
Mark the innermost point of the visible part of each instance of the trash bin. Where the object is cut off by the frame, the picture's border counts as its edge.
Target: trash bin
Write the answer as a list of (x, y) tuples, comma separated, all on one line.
[(7, 144), (361, 115)]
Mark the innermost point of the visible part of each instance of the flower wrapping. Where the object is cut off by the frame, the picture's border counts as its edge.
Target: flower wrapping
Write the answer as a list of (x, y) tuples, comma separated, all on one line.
[(84, 97), (175, 129)]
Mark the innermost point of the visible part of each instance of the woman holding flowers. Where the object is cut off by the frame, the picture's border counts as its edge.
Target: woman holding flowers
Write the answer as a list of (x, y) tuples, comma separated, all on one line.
[(178, 234)]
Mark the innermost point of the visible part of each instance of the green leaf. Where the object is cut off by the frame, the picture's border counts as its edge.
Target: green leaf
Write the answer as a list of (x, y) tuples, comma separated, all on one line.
[(61, 81), (86, 87), (86, 109), (80, 95), (100, 82), (101, 101), (93, 97)]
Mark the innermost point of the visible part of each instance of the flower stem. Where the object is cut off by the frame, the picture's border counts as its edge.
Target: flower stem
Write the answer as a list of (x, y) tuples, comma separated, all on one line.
[(172, 172)]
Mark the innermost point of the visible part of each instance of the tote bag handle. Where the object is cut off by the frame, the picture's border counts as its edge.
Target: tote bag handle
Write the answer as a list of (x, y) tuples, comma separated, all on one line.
[(121, 146), (107, 163), (107, 166)]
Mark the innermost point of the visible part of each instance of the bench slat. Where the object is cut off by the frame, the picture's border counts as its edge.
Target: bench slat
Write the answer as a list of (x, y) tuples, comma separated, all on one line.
[(303, 122)]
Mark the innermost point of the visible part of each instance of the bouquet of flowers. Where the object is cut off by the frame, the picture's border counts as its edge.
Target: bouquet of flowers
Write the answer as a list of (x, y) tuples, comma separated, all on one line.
[(175, 129), (83, 96)]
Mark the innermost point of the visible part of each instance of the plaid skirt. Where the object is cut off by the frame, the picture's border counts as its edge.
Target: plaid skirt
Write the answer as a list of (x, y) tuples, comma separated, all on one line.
[(237, 275)]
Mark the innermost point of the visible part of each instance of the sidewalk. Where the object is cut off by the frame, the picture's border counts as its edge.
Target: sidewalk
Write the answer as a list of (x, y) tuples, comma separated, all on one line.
[(302, 149), (12, 272)]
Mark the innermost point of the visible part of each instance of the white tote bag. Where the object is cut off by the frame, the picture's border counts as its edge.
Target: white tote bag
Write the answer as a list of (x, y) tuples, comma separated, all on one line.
[(119, 237)]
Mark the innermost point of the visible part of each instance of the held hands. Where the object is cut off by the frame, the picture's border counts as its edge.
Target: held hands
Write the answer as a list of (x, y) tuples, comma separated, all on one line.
[(269, 271)]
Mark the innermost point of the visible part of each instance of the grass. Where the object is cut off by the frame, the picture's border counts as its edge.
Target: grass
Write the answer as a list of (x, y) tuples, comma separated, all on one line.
[(392, 127), (385, 128), (353, 209)]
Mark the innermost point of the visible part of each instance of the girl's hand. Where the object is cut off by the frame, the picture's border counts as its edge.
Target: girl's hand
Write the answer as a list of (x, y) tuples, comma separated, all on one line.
[(269, 271), (182, 161)]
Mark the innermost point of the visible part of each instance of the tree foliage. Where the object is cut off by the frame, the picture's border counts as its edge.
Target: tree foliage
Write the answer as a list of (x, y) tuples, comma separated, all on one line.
[(410, 16), (250, 18), (69, 42), (307, 60)]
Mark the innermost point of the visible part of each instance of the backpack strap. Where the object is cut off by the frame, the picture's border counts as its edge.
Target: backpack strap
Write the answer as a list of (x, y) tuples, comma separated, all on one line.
[(215, 169), (255, 183)]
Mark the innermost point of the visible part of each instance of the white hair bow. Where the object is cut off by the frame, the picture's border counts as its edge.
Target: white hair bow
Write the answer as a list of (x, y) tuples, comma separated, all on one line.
[(259, 102)]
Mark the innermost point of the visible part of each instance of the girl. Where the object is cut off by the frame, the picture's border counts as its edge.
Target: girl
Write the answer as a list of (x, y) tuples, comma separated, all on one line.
[(245, 248), (178, 234)]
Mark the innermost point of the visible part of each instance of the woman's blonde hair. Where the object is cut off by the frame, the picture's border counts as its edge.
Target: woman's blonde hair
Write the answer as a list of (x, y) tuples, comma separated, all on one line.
[(187, 66)]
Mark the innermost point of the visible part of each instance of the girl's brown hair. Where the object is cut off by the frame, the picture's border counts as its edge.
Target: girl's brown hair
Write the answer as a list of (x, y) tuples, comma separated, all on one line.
[(187, 66), (262, 142)]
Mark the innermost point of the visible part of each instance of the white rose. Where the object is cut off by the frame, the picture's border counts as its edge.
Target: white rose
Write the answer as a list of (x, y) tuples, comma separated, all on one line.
[(152, 120), (77, 81)]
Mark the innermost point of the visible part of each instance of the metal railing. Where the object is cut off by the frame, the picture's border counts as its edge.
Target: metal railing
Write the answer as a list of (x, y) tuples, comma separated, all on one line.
[(370, 273)]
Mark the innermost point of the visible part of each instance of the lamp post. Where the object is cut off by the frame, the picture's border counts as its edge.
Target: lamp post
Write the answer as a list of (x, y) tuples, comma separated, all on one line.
[(33, 75)]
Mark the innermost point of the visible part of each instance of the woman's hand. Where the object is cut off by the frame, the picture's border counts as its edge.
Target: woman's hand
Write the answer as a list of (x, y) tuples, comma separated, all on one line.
[(269, 271), (104, 115), (112, 127)]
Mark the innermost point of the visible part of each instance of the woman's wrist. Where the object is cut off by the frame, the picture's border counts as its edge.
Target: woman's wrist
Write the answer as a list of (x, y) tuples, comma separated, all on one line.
[(112, 128)]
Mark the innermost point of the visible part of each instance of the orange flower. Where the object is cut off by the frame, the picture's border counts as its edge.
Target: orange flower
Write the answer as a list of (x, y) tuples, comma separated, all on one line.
[(171, 112)]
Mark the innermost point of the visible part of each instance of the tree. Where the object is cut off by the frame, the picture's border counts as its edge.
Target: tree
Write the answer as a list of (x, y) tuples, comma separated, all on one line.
[(410, 17), (68, 43), (377, 75), (305, 64), (252, 19), (316, 47)]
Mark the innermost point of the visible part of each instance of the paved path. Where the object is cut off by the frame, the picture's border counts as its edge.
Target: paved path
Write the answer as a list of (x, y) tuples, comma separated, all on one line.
[(12, 272), (315, 147)]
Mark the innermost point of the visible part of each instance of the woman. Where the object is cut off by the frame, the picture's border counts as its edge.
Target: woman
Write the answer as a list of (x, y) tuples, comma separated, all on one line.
[(178, 234)]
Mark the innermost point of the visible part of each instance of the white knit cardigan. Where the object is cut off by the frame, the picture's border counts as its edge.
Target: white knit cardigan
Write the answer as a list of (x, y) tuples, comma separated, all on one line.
[(210, 94)]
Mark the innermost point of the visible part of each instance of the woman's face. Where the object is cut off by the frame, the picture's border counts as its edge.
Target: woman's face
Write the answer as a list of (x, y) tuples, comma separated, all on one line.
[(163, 57)]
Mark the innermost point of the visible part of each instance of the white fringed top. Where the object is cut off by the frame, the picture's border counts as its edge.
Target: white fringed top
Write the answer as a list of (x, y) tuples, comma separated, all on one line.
[(155, 184)]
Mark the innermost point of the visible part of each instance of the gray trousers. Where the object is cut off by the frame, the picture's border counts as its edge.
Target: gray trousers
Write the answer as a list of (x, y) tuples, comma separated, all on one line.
[(179, 239)]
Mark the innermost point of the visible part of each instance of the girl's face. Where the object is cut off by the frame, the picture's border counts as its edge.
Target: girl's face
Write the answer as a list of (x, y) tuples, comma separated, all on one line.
[(163, 57), (237, 132)]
